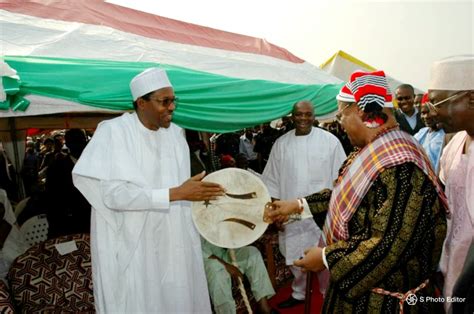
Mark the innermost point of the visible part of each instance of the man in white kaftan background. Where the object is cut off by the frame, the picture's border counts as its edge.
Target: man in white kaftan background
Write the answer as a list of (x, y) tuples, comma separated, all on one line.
[(303, 160), (146, 252)]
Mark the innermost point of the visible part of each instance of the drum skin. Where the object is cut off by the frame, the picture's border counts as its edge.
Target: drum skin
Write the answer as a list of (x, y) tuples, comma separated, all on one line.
[(236, 219)]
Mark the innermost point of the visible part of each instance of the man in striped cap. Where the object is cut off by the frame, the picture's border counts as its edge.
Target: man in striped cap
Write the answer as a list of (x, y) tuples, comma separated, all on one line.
[(385, 226)]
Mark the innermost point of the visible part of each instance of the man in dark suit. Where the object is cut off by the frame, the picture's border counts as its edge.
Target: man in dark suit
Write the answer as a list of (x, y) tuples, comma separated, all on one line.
[(408, 116)]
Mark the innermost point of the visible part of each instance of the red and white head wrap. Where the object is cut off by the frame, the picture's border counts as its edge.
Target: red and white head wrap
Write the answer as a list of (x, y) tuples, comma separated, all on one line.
[(345, 94), (370, 90)]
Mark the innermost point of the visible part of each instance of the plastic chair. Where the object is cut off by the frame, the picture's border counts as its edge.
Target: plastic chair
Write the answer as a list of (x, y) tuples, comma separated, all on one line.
[(35, 229)]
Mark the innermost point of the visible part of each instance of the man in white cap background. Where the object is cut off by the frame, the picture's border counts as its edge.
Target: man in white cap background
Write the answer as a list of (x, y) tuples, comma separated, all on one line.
[(146, 253), (384, 230), (302, 161), (451, 95)]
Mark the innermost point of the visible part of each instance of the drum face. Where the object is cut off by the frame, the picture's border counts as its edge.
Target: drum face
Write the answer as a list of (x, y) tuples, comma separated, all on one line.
[(236, 219)]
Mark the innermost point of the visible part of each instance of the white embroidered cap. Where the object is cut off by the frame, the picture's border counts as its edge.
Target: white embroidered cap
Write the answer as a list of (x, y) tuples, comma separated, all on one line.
[(454, 73), (150, 80)]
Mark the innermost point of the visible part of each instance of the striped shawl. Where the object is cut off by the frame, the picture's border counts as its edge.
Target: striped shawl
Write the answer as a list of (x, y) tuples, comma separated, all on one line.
[(388, 150)]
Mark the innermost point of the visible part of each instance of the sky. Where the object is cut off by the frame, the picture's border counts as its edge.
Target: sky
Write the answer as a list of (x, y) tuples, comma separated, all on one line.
[(403, 37)]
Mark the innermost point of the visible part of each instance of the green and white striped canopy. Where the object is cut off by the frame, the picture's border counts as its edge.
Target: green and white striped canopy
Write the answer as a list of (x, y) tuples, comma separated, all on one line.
[(76, 60)]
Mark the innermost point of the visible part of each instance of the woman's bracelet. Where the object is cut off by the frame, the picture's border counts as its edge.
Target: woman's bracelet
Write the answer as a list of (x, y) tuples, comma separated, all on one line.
[(294, 217), (297, 215)]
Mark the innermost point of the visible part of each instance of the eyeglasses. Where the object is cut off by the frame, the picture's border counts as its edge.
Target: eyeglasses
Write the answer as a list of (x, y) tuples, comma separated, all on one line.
[(452, 97), (166, 101), (406, 98), (339, 113)]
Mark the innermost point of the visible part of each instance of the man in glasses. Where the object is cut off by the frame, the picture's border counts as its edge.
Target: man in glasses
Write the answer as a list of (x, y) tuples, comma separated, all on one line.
[(408, 116), (451, 98), (146, 253)]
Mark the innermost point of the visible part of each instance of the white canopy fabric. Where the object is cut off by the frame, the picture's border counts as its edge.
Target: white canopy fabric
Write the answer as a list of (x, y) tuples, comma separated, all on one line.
[(103, 31), (342, 65)]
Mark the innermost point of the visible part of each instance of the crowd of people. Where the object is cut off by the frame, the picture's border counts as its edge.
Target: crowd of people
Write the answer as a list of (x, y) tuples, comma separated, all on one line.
[(46, 175), (379, 202)]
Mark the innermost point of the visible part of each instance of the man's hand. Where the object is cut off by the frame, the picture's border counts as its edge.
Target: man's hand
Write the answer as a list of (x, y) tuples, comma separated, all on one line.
[(312, 261), (278, 211), (233, 271), (196, 190)]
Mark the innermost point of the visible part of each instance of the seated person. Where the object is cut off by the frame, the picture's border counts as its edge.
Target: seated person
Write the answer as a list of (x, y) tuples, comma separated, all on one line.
[(12, 242), (219, 270)]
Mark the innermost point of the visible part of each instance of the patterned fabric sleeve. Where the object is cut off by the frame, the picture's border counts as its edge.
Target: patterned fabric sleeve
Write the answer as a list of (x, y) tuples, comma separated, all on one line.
[(391, 226), (319, 204)]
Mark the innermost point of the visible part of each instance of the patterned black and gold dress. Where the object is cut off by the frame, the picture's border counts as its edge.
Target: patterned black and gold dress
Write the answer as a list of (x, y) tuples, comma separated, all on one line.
[(395, 241)]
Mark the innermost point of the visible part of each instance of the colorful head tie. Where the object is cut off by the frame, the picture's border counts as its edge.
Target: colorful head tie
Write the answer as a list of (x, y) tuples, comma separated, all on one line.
[(370, 90), (345, 94)]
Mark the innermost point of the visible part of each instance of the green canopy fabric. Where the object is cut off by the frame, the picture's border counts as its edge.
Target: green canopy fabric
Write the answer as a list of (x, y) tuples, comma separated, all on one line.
[(207, 102)]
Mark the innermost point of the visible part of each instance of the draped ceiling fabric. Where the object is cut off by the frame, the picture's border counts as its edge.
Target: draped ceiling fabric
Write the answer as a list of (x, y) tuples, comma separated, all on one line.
[(79, 56)]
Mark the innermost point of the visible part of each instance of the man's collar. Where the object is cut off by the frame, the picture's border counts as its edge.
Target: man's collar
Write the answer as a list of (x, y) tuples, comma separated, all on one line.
[(414, 113)]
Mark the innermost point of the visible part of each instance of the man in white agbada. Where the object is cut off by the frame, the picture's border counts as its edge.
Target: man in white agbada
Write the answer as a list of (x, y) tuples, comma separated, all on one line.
[(146, 253), (451, 101), (303, 160)]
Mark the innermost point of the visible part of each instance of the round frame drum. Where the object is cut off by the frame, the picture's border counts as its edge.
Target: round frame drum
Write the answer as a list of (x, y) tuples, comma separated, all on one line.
[(236, 219)]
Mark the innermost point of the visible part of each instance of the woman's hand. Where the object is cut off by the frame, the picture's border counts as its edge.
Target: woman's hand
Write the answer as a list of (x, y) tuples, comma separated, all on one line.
[(312, 260), (278, 211)]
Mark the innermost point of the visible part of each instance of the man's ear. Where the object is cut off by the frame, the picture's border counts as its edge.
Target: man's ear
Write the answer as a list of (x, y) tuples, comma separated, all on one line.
[(140, 103)]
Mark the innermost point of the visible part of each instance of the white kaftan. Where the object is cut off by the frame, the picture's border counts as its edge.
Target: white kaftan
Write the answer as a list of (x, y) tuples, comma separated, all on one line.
[(457, 172), (299, 166), (146, 253)]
